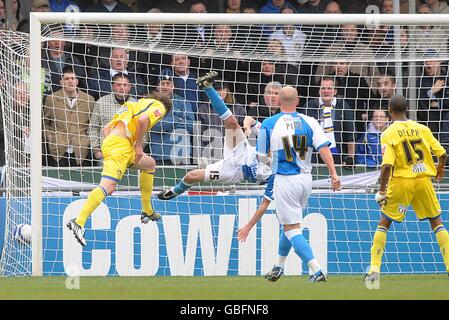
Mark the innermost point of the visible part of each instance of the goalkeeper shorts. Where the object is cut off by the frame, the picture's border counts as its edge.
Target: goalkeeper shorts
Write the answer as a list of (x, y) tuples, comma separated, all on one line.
[(418, 192), (118, 155)]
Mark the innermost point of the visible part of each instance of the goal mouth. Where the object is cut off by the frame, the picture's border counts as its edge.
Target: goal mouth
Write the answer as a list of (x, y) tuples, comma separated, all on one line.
[(53, 115)]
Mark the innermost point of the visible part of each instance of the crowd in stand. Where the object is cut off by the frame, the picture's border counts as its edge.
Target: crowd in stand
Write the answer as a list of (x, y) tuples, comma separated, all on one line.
[(85, 85)]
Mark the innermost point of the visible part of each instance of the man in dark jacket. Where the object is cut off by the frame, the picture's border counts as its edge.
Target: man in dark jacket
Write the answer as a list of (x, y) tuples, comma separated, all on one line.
[(336, 118)]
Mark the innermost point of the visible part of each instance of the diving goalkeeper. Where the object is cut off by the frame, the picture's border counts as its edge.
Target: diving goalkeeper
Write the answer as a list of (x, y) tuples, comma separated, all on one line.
[(122, 148)]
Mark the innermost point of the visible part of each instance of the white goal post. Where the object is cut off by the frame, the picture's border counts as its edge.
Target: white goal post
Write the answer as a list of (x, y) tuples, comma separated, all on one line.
[(38, 21)]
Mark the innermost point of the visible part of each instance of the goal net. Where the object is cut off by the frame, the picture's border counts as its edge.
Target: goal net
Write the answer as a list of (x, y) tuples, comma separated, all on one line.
[(345, 68)]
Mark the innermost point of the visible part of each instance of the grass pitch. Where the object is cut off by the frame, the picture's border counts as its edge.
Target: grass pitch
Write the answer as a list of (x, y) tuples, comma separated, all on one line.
[(226, 288)]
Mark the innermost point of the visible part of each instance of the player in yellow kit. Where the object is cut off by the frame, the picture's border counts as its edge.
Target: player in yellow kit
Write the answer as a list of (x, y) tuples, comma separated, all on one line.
[(122, 148), (407, 169)]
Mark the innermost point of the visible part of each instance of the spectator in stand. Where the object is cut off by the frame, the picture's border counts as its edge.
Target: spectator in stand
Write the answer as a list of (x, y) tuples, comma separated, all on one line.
[(387, 6), (200, 35), (275, 6), (386, 88), (369, 149), (20, 23), (233, 6), (149, 63), (320, 37), (184, 80), (353, 88), (313, 6), (250, 8), (333, 7), (66, 121), (270, 105), (102, 84), (109, 6), (55, 58), (133, 4), (120, 36), (104, 110), (433, 104), (336, 118), (178, 6), (41, 6), (261, 73), (437, 6), (170, 138), (292, 38), (250, 36), (350, 44), (424, 36), (223, 43), (62, 5)]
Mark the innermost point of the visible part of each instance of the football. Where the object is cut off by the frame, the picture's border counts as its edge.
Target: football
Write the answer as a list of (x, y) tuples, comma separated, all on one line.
[(22, 233)]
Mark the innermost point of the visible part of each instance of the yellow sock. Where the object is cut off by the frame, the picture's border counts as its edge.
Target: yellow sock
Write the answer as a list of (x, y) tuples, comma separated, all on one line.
[(94, 199), (146, 180), (443, 242), (377, 250)]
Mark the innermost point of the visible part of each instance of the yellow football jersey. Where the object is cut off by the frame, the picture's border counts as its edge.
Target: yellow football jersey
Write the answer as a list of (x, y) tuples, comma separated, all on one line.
[(408, 146), (130, 116)]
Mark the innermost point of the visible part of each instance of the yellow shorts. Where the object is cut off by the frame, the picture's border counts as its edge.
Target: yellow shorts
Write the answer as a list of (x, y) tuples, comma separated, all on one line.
[(118, 155), (419, 193)]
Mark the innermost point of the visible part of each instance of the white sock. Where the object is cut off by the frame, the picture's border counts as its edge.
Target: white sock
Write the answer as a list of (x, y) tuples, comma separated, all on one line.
[(280, 261), (314, 266)]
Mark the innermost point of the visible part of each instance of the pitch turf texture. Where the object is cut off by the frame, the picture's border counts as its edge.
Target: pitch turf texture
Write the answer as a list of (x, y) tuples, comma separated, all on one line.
[(226, 288)]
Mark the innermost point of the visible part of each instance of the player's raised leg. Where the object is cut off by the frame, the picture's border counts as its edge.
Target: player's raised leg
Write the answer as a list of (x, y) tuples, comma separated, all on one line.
[(147, 167), (234, 134)]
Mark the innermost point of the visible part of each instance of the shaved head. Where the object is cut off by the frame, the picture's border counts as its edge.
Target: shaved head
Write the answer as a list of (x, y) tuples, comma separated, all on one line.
[(398, 104), (288, 99)]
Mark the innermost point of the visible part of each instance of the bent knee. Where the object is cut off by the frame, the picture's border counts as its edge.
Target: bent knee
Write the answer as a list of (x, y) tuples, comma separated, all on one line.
[(108, 186), (194, 176)]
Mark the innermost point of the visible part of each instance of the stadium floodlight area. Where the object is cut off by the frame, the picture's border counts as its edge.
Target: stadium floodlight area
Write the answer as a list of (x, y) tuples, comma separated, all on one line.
[(197, 234)]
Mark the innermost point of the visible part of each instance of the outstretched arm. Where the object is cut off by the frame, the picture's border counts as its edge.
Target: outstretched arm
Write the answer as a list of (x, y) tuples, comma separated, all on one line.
[(244, 231), (326, 155)]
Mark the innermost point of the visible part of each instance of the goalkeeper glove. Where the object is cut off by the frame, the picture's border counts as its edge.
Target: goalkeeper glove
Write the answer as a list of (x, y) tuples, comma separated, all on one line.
[(381, 198)]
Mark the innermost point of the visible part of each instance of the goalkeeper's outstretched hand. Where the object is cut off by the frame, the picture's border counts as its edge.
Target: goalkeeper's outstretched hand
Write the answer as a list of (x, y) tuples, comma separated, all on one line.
[(381, 198)]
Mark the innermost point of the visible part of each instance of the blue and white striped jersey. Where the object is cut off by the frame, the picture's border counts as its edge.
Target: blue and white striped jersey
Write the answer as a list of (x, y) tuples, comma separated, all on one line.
[(290, 139)]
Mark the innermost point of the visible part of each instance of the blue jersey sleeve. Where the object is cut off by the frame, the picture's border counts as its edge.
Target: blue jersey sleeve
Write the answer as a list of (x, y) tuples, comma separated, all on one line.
[(268, 194), (263, 140)]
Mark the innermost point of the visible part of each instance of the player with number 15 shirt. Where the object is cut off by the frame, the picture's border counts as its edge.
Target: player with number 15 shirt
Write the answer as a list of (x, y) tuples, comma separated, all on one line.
[(408, 147)]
